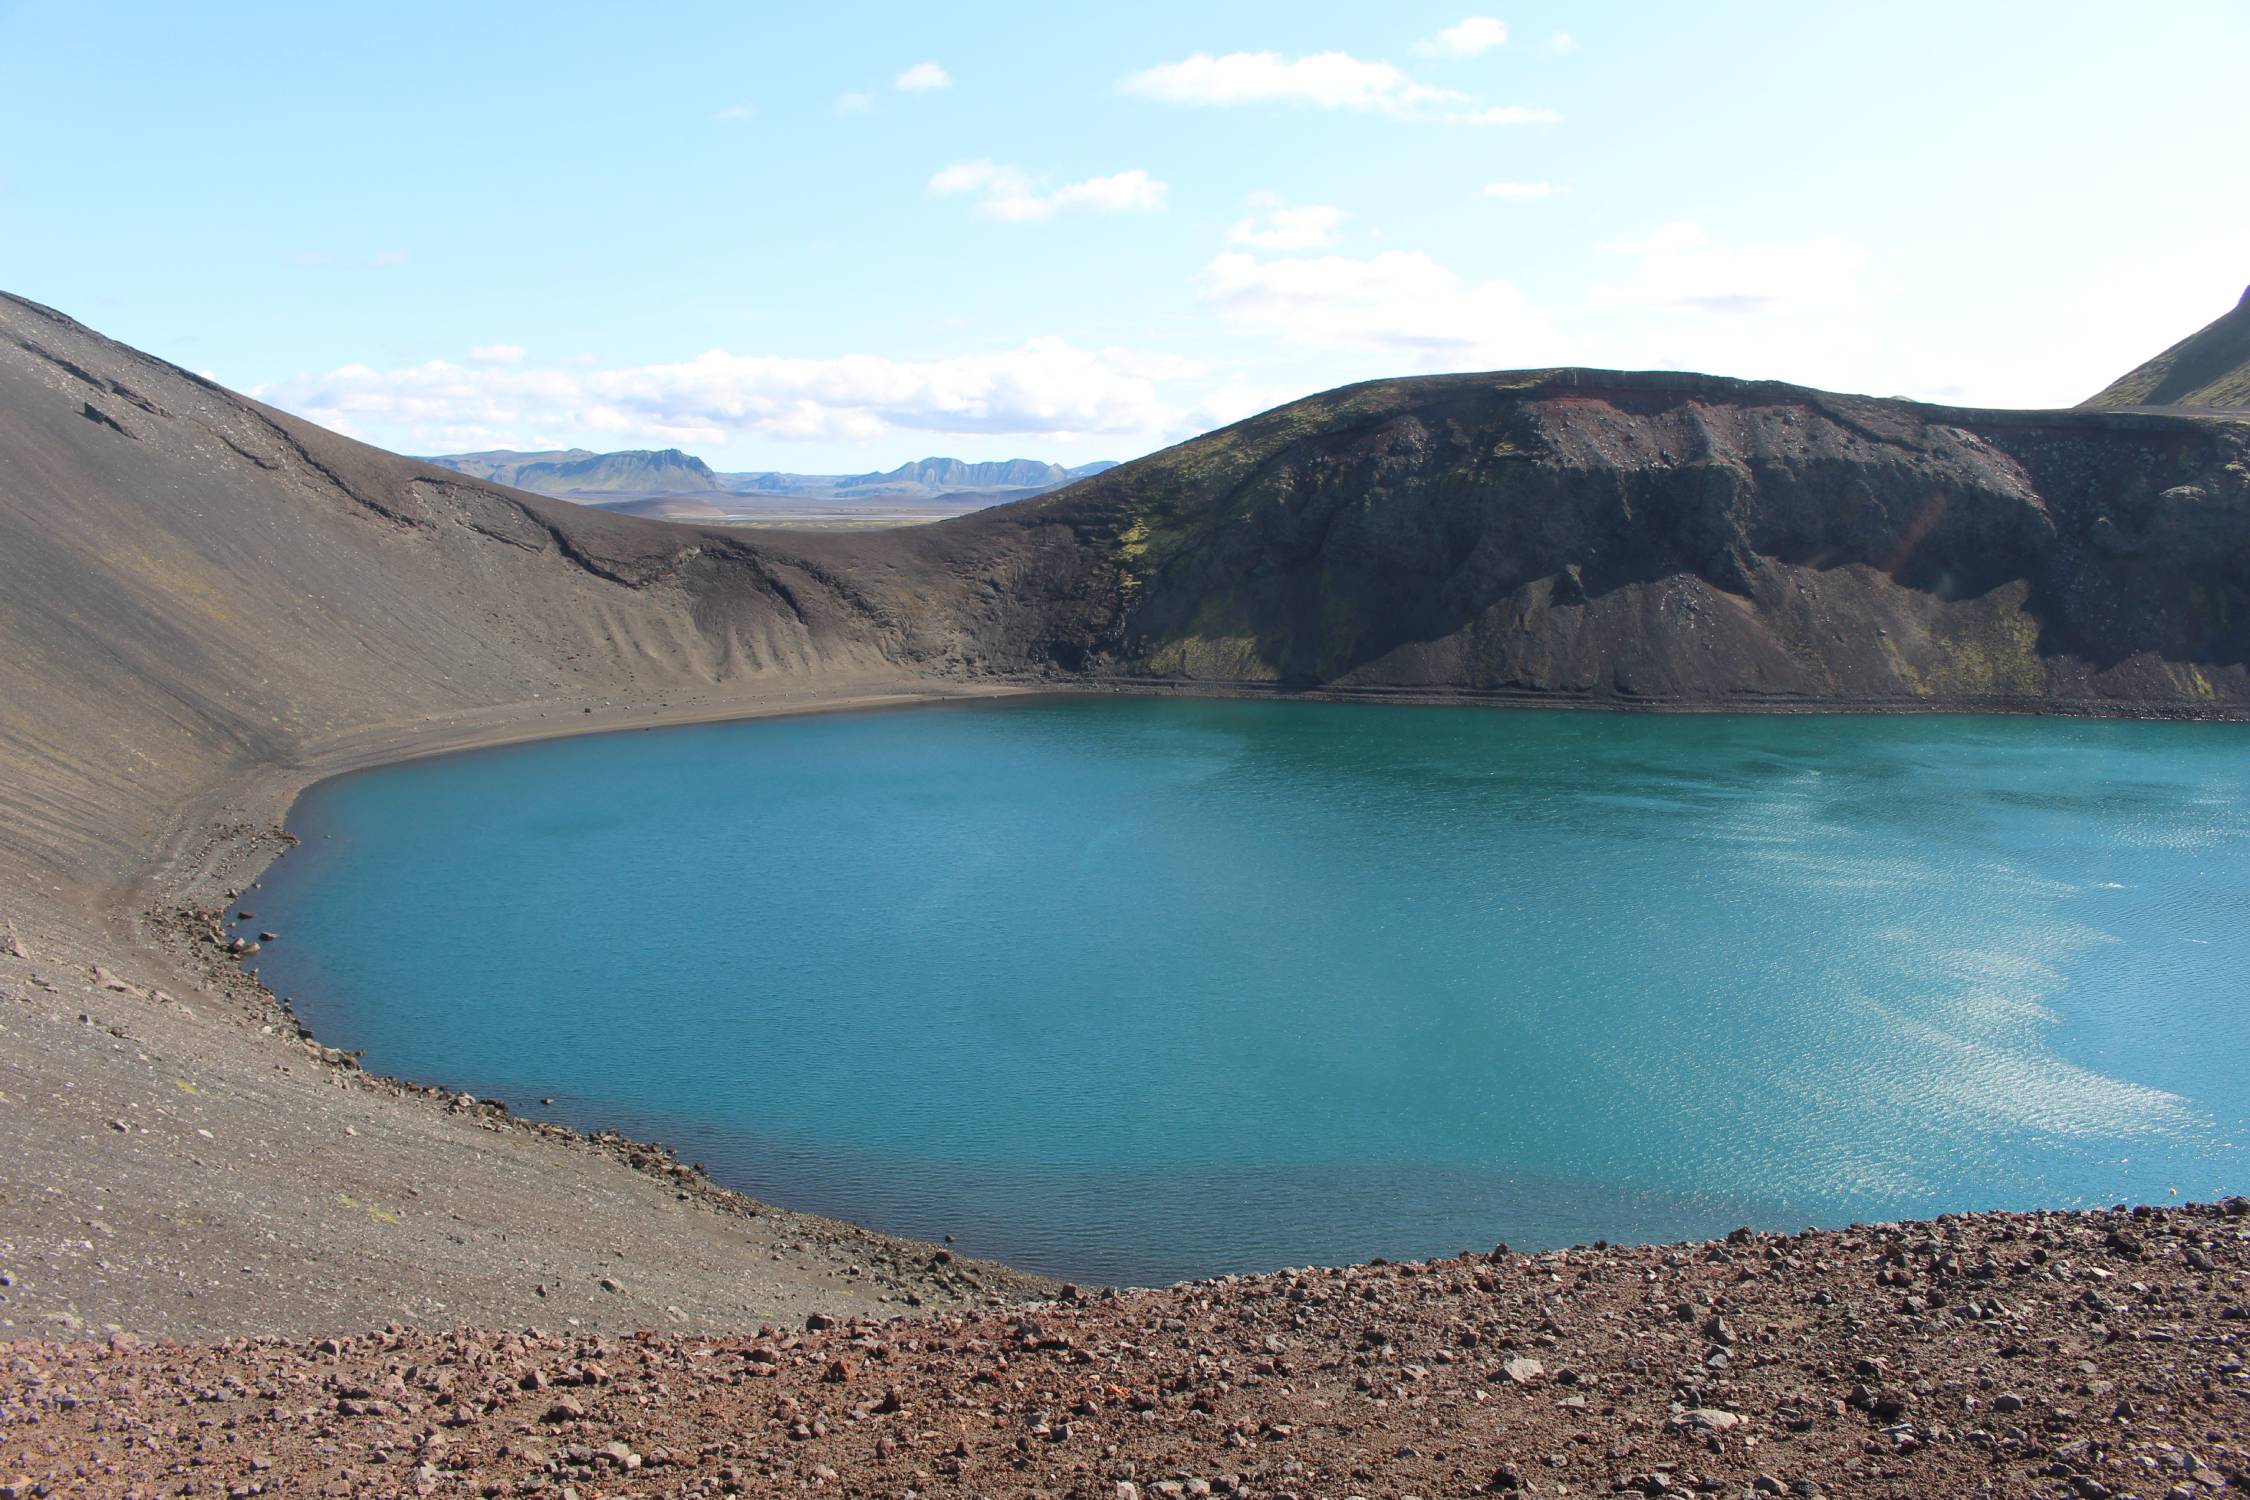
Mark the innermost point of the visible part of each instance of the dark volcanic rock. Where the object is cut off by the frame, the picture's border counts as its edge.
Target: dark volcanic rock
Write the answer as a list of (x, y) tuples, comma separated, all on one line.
[(1679, 539), (1180, 1393)]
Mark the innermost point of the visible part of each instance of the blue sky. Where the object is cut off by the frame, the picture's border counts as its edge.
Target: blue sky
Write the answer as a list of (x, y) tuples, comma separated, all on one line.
[(829, 237)]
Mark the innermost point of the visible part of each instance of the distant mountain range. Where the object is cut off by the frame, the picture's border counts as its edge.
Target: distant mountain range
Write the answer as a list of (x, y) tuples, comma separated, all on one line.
[(934, 475), (642, 474), (2208, 368), (574, 473)]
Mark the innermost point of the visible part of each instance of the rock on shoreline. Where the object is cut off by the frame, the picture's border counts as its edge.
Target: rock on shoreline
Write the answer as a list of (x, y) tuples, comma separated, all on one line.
[(2060, 1354)]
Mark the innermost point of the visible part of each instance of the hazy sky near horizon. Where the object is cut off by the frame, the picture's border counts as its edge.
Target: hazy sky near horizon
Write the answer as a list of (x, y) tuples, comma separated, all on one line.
[(833, 238)]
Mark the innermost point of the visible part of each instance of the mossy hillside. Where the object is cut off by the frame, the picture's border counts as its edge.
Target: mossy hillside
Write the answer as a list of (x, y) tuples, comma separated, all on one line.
[(1986, 648), (1193, 533), (1170, 498)]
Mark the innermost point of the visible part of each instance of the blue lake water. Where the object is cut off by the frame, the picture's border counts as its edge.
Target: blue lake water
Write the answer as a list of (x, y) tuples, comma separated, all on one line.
[(1131, 990)]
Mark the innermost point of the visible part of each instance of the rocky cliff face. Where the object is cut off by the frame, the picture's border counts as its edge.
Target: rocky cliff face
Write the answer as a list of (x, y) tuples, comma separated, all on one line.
[(1660, 539)]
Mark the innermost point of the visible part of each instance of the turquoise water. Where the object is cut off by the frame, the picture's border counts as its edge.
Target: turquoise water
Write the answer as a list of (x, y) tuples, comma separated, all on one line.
[(1133, 990)]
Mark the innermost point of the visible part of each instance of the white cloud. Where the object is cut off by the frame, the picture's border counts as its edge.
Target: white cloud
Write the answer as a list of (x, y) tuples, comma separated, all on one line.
[(1044, 388), (391, 258), (1813, 311), (1518, 192), (1471, 37), (980, 175), (1010, 194), (1679, 266), (1326, 80), (498, 354), (734, 112), (1275, 225), (853, 103), (1401, 302), (1562, 44), (922, 77), (1128, 192), (1506, 114), (1226, 404)]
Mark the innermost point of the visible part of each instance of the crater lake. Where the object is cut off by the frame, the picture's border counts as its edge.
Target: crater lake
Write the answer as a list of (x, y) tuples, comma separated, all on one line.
[(1130, 990)]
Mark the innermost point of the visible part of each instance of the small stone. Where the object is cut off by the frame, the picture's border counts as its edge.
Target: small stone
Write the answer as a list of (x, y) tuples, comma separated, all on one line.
[(565, 1410), (1521, 1371)]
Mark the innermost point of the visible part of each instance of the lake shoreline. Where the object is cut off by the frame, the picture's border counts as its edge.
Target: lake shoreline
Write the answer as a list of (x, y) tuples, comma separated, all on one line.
[(120, 989), (150, 933)]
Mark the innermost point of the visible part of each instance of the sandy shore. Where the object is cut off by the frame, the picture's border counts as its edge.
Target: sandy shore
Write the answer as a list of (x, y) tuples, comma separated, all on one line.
[(187, 1162), (225, 839)]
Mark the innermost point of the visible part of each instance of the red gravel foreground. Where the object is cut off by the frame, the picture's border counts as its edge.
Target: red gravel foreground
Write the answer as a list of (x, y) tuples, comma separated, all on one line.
[(2081, 1355)]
